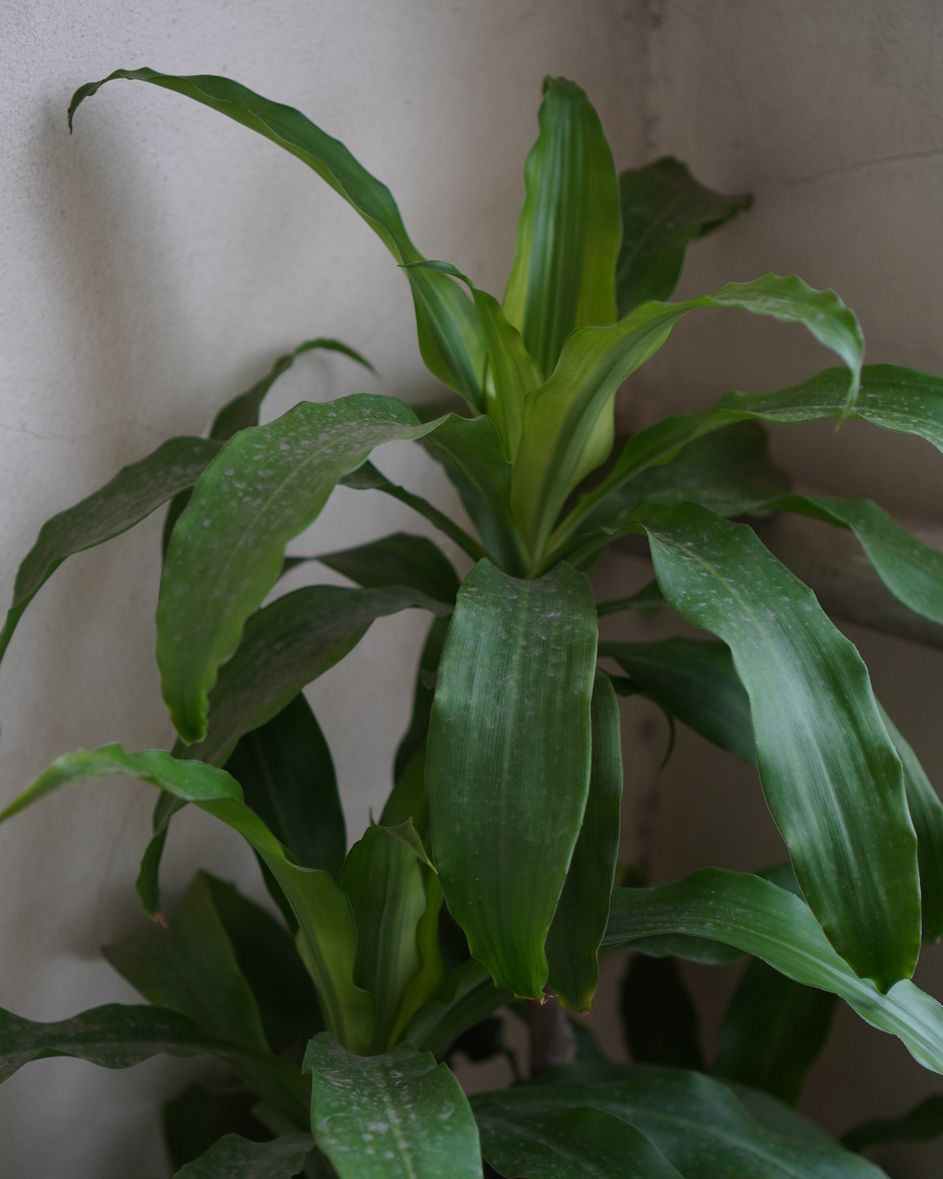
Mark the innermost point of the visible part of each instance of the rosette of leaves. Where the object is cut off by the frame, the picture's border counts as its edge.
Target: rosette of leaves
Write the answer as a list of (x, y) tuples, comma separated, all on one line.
[(491, 871)]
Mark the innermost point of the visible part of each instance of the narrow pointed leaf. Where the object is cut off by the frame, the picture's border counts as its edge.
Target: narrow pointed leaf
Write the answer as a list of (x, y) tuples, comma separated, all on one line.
[(414, 738), (449, 333), (287, 775), (512, 371), (923, 1123), (233, 1157), (664, 209), (699, 1125), (508, 761), (135, 492), (757, 917), (568, 235), (583, 909), (831, 776), (266, 485), (568, 421), (568, 1144), (465, 998), (400, 559), (322, 909), (773, 1032), (658, 1014), (385, 1117)]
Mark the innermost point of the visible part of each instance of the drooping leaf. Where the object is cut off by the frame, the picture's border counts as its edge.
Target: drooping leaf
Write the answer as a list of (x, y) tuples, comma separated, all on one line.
[(695, 681), (233, 1157), (266, 485), (449, 332), (583, 909), (287, 775), (384, 1117), (567, 1144), (135, 492), (923, 1123), (757, 917), (698, 1124), (818, 734), (400, 559), (328, 936), (563, 275), (773, 1032), (664, 209), (508, 761), (659, 1018), (568, 421)]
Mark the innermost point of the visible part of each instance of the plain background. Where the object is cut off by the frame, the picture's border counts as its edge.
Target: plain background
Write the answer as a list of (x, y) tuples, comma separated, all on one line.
[(154, 264)]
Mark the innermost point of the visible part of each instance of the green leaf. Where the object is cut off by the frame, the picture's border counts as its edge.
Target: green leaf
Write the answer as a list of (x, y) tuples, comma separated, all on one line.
[(508, 761), (194, 1119), (658, 1014), (414, 738), (773, 1032), (818, 734), (384, 879), (647, 600), (287, 774), (568, 421), (266, 485), (583, 909), (923, 1123), (466, 997), (328, 936), (135, 492), (512, 371), (449, 331), (695, 681), (563, 275), (699, 1125), (664, 209), (233, 1157), (400, 559), (190, 967), (757, 917), (385, 1117), (568, 1144)]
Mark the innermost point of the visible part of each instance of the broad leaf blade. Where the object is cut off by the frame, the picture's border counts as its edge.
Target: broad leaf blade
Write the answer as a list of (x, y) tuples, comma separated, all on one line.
[(567, 1144), (233, 1157), (449, 332), (508, 762), (664, 209), (383, 1117), (267, 485), (583, 909), (757, 917), (135, 492), (568, 235), (818, 732)]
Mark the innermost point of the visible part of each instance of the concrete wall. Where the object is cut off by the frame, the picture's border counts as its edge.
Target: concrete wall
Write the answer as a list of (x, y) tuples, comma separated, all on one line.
[(155, 262)]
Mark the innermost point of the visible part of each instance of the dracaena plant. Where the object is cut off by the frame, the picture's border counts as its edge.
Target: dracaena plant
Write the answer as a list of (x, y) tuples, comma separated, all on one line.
[(490, 877)]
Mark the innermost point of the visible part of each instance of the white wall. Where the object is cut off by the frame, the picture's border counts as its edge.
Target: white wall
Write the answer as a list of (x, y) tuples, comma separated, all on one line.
[(153, 265)]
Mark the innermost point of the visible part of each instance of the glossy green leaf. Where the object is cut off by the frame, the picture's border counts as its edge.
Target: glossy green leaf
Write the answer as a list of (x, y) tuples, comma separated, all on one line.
[(508, 761), (190, 966), (400, 559), (923, 1123), (695, 681), (233, 1157), (384, 879), (449, 332), (287, 776), (567, 1144), (583, 909), (664, 209), (328, 936), (773, 1032), (759, 918), (659, 1018), (568, 234), (266, 485), (568, 421), (818, 731), (512, 371), (699, 1125), (385, 1117), (135, 492)]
